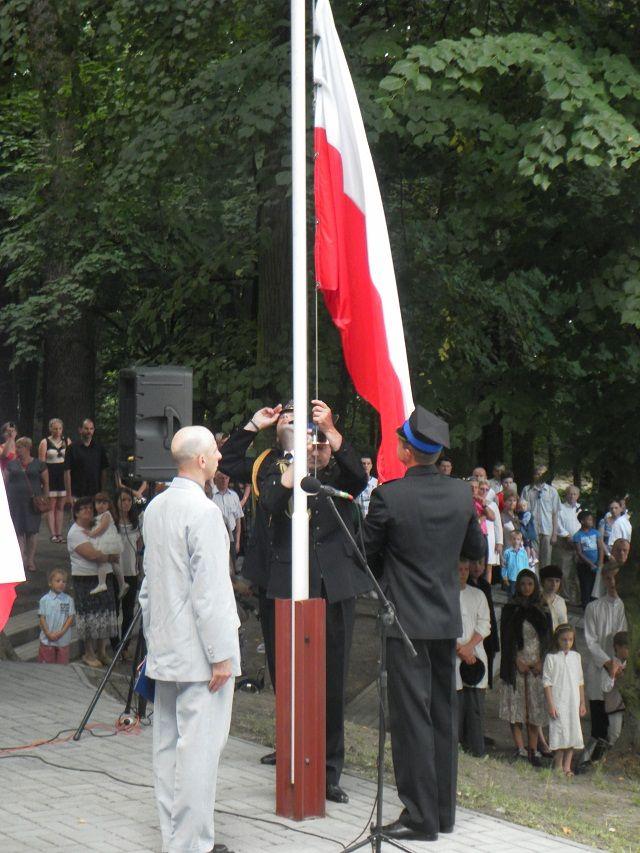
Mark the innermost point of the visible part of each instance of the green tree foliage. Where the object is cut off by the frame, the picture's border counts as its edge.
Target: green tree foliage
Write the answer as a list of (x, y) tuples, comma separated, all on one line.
[(144, 197)]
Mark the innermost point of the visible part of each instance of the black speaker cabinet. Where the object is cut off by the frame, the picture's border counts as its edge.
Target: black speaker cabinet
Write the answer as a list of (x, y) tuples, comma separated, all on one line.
[(155, 402)]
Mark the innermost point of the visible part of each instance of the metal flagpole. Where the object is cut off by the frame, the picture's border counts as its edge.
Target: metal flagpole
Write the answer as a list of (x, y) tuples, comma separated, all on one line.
[(300, 623), (300, 521)]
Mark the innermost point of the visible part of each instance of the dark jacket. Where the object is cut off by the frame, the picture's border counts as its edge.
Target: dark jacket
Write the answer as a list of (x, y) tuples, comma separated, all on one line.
[(492, 642), (415, 531), (333, 569), (237, 465), (514, 615)]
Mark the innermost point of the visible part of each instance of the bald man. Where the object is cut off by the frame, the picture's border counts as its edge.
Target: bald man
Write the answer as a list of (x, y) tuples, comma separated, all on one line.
[(191, 627)]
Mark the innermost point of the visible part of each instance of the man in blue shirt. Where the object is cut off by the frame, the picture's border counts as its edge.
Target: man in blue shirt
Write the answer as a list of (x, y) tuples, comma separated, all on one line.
[(590, 551)]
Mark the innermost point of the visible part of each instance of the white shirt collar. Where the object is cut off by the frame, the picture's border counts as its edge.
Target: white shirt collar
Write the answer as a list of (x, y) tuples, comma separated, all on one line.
[(185, 483)]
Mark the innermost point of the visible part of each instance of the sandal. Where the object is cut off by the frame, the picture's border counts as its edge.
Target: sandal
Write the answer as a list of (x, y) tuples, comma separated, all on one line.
[(93, 662), (569, 773)]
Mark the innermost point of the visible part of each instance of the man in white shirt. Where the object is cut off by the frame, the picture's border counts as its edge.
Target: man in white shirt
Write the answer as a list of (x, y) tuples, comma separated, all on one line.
[(603, 619), (544, 503), (620, 529), (476, 625), (191, 627), (228, 503), (563, 553), (364, 497)]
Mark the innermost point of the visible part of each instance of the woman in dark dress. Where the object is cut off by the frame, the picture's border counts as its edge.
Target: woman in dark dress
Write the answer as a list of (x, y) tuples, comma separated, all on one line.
[(26, 477)]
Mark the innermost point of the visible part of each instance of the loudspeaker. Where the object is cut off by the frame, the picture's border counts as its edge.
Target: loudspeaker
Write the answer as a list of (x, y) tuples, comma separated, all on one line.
[(155, 402)]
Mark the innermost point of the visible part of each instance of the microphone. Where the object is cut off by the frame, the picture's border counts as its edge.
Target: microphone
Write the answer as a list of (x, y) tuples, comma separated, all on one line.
[(313, 486)]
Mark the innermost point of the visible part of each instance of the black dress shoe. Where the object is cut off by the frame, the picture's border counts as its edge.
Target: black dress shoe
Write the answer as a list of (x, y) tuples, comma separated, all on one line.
[(406, 832), (336, 794), (220, 848), (269, 758)]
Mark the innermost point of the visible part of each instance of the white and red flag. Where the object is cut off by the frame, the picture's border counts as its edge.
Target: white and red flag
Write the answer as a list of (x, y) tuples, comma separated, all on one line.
[(354, 267), (11, 568)]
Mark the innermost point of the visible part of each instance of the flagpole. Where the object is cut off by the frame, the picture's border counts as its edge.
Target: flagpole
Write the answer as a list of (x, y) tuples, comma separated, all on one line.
[(299, 521)]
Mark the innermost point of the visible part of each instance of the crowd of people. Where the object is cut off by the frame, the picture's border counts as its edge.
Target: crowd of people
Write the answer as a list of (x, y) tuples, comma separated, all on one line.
[(544, 551)]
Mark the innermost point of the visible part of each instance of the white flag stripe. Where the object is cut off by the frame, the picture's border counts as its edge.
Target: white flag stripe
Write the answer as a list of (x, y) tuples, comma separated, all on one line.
[(338, 112), (11, 568)]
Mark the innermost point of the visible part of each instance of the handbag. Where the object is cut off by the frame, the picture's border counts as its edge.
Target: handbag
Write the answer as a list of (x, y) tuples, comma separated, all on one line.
[(39, 503)]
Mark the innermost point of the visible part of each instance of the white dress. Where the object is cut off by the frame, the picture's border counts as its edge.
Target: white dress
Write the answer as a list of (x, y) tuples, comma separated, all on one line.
[(563, 673), (494, 535)]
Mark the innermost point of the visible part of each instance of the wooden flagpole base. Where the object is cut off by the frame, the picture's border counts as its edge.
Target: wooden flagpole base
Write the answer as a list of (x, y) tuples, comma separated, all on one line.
[(302, 796)]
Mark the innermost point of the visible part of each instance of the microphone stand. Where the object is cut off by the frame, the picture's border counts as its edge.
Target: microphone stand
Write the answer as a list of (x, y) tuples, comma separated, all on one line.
[(386, 618)]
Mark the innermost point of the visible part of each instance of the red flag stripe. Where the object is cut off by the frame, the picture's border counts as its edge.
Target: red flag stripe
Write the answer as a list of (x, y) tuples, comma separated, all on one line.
[(7, 597), (354, 302), (354, 266)]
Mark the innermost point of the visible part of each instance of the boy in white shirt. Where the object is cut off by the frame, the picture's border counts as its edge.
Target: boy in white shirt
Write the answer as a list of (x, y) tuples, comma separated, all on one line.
[(551, 578), (476, 625)]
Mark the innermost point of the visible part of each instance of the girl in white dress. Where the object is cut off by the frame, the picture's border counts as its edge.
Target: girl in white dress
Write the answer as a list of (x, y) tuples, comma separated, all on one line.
[(564, 691), (107, 539)]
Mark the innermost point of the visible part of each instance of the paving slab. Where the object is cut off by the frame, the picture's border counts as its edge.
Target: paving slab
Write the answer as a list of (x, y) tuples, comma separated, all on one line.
[(57, 798)]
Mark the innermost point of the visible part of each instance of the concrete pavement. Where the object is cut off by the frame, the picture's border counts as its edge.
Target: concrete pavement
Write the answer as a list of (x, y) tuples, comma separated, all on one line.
[(79, 808)]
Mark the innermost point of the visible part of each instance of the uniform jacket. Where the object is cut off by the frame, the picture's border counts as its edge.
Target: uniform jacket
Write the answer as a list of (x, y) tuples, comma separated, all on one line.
[(333, 569), (189, 611), (414, 532), (236, 464)]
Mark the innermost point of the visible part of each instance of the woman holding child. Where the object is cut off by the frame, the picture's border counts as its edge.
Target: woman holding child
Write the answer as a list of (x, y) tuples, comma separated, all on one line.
[(96, 614), (525, 634)]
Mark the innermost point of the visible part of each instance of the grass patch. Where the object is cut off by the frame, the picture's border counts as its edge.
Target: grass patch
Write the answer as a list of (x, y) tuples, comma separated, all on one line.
[(599, 809)]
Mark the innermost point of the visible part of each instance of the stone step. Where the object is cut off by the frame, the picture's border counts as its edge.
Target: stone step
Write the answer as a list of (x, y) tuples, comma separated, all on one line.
[(23, 627)]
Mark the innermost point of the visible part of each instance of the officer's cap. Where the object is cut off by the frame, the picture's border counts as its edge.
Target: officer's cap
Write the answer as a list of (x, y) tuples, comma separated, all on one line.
[(425, 431)]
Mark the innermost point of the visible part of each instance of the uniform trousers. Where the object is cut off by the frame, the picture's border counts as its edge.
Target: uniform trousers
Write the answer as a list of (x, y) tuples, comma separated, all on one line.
[(470, 719), (423, 713), (190, 729), (340, 619)]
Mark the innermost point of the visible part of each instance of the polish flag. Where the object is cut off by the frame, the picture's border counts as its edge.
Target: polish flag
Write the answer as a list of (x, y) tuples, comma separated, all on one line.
[(11, 568), (354, 267)]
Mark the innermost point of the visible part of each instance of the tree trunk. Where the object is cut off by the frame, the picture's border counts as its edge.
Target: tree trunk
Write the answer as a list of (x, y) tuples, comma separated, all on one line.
[(522, 453), (28, 375), (274, 332), (69, 364), (492, 445)]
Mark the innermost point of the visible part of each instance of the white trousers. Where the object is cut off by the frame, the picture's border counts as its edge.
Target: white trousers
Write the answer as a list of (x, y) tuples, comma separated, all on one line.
[(190, 729)]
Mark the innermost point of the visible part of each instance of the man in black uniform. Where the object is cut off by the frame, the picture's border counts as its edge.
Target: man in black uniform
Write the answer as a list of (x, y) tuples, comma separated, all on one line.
[(333, 570), (415, 531)]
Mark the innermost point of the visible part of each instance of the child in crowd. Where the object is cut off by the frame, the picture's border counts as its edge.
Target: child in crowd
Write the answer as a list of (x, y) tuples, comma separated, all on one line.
[(471, 663), (564, 691), (551, 578), (514, 560), (613, 703), (524, 640), (590, 552), (483, 512), (56, 613), (528, 530), (107, 539)]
